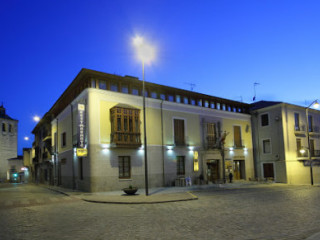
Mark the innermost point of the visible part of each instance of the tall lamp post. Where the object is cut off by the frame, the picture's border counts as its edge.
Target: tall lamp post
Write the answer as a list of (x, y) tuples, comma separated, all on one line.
[(145, 53), (315, 105)]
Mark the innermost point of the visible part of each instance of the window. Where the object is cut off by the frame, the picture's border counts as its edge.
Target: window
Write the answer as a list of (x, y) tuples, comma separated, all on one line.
[(265, 119), (125, 126), (10, 128), (296, 122), (310, 122), (162, 96), (223, 107), (4, 127), (237, 136), (154, 95), (211, 135), (193, 102), (124, 89), (185, 100), (312, 152), (63, 139), (206, 103), (179, 132), (180, 165), (299, 148), (124, 167), (114, 87), (170, 98), (218, 106), (266, 146), (135, 91), (200, 102), (178, 98), (212, 105), (102, 84)]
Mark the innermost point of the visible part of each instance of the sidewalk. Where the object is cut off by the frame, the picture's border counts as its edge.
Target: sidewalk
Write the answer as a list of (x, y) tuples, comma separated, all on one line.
[(156, 195)]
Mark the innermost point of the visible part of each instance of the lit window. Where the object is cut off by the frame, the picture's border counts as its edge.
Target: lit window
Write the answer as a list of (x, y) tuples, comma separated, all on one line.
[(125, 126)]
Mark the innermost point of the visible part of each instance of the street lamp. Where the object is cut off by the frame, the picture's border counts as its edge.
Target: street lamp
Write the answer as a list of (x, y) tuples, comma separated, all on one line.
[(145, 54), (36, 118), (315, 105)]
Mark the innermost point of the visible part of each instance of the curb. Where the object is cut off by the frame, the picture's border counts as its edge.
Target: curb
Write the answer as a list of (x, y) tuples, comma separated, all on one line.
[(193, 197)]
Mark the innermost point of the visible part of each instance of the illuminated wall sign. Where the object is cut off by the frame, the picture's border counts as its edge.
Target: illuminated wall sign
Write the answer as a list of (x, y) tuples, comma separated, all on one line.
[(82, 152), (195, 161), (81, 125)]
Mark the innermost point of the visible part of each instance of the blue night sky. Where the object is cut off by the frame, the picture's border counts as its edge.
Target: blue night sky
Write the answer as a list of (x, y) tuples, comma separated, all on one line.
[(223, 47)]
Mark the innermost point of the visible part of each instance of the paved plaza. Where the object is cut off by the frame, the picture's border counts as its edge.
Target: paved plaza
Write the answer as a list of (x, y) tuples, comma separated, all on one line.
[(239, 211)]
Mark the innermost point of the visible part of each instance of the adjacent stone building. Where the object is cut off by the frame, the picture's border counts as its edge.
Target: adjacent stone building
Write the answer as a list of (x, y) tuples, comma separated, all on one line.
[(280, 136), (8, 144)]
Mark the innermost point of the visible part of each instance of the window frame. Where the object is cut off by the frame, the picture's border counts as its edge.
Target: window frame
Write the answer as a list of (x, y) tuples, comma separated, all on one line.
[(181, 171), (179, 138), (63, 139), (261, 121), (122, 167)]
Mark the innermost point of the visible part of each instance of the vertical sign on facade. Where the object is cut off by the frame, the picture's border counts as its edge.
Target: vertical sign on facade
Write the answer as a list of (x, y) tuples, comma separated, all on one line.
[(195, 161), (81, 130)]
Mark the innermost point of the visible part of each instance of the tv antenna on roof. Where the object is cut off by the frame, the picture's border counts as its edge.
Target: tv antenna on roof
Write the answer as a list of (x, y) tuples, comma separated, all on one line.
[(192, 85), (254, 89)]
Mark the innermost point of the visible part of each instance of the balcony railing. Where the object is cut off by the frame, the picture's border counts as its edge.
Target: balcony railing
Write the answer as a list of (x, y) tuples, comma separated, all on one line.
[(315, 153), (126, 139)]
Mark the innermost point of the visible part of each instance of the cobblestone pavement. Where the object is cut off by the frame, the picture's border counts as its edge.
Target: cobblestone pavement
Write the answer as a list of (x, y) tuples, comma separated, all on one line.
[(251, 212)]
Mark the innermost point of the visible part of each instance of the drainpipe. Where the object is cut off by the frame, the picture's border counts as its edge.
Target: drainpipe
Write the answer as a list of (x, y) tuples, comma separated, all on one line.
[(162, 144)]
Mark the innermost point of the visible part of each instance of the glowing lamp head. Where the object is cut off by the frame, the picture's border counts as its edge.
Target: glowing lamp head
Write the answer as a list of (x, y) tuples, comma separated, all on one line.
[(145, 52), (36, 118), (302, 151), (316, 105), (26, 138)]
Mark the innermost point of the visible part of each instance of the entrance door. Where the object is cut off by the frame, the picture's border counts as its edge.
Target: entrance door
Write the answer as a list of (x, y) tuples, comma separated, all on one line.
[(268, 171), (213, 173), (239, 170)]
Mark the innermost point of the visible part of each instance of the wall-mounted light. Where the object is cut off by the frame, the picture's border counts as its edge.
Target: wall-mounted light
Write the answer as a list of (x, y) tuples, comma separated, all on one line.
[(169, 147), (245, 149), (231, 149), (191, 148)]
